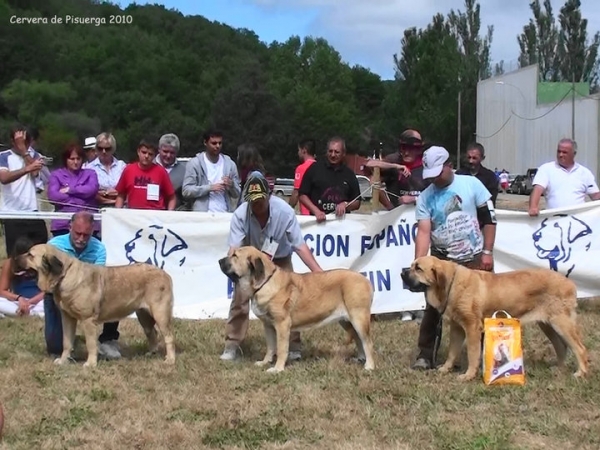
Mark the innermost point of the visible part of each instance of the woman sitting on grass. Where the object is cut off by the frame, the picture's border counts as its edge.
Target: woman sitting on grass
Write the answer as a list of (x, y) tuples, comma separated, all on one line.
[(19, 293)]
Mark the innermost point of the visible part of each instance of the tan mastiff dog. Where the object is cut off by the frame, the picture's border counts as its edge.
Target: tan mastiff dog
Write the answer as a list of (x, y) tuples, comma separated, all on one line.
[(467, 296), (286, 301), (93, 294)]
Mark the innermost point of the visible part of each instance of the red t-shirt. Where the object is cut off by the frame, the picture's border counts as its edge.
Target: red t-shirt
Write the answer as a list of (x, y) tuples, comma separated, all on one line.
[(133, 185), (298, 175)]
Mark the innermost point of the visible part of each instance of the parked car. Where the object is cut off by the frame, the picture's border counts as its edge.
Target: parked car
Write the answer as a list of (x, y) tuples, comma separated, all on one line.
[(283, 186), (517, 185)]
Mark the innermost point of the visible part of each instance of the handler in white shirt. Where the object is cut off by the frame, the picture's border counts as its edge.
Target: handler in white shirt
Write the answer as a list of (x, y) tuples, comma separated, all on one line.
[(564, 182)]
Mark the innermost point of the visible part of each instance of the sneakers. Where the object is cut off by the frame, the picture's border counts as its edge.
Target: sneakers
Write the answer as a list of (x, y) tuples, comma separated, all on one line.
[(294, 356), (231, 352), (109, 350), (421, 364)]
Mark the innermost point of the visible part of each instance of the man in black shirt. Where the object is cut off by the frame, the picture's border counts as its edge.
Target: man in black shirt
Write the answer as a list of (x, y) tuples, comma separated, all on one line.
[(330, 186), (476, 154)]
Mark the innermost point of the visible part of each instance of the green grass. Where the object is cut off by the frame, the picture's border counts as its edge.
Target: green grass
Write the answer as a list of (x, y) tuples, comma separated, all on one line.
[(323, 401)]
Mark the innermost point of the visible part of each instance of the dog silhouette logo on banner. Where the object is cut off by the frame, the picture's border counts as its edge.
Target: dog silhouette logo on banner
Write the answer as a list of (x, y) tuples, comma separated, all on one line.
[(158, 246), (558, 238)]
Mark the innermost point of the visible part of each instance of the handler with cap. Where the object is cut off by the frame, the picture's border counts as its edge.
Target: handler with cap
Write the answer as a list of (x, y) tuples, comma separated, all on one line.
[(268, 223), (448, 215)]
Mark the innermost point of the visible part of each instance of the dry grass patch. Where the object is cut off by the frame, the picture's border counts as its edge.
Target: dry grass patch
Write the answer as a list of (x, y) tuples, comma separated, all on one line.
[(322, 401)]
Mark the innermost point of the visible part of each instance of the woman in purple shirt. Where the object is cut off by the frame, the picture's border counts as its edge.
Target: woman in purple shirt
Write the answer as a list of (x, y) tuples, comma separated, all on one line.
[(72, 189)]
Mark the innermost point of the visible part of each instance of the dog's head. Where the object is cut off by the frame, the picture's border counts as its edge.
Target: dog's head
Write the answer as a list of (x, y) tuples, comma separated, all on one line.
[(556, 236), (426, 274), (248, 264), (156, 245), (49, 262)]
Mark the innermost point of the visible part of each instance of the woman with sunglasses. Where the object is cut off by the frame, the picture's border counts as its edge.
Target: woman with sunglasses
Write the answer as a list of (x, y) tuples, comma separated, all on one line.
[(108, 168)]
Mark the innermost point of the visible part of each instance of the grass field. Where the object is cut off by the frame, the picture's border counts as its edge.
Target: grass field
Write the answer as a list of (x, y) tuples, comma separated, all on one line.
[(322, 401)]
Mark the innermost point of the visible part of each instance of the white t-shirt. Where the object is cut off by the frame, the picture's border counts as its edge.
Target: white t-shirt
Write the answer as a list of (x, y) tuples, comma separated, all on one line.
[(214, 173), (20, 195), (503, 177), (564, 187)]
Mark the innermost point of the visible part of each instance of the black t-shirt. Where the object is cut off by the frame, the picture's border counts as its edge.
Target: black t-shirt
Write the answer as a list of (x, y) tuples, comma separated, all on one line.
[(398, 185), (487, 177), (326, 185)]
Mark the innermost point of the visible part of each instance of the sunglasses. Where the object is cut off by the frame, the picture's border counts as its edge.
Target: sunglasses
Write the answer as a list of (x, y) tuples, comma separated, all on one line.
[(103, 149)]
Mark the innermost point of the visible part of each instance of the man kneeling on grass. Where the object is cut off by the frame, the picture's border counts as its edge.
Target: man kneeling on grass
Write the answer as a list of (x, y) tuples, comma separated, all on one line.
[(80, 244)]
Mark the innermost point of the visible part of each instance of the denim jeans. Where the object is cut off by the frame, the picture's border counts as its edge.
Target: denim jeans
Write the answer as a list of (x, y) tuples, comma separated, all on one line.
[(53, 327)]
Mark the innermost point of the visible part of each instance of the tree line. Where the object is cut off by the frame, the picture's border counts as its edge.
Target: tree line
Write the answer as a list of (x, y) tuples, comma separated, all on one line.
[(166, 72)]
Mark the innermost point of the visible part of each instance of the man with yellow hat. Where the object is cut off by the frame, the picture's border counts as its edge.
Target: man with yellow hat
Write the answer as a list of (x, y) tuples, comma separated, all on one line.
[(268, 223)]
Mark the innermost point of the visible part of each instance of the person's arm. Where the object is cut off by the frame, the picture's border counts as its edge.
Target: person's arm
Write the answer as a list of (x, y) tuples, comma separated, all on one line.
[(122, 189), (237, 228), (423, 238), (384, 165), (294, 198), (492, 187), (235, 188), (9, 176), (540, 184), (100, 253), (534, 200), (190, 187), (54, 193), (308, 258), (592, 187), (168, 191), (5, 278), (88, 189)]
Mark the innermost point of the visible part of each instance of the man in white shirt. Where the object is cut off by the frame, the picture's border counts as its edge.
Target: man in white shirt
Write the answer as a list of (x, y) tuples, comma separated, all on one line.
[(564, 182), (19, 170), (211, 178)]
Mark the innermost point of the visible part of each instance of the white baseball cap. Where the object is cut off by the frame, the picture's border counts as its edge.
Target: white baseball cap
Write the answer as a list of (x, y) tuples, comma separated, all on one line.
[(434, 159), (90, 142)]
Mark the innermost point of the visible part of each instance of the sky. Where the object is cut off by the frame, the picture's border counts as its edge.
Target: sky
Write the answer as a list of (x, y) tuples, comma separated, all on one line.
[(369, 32)]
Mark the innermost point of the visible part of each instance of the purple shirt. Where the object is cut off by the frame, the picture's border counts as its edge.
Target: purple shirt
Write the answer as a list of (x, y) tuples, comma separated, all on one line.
[(83, 187)]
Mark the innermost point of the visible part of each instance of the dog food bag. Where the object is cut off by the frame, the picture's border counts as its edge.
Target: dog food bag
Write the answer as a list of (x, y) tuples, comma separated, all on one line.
[(502, 350)]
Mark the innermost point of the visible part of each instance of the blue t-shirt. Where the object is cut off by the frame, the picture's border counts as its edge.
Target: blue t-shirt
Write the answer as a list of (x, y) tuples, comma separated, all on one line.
[(93, 253), (455, 231)]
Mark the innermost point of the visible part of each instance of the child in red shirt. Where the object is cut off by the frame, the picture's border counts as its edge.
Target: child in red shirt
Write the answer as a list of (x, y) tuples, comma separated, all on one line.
[(145, 184)]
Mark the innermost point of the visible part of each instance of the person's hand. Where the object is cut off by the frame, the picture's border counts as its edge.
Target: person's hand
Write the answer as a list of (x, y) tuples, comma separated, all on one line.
[(20, 145), (340, 209), (226, 181), (24, 307), (217, 187), (487, 262), (404, 170), (533, 211), (35, 166), (64, 190), (320, 216)]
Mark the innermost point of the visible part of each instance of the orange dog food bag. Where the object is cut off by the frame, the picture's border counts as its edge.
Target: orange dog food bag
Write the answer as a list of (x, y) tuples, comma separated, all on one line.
[(502, 350)]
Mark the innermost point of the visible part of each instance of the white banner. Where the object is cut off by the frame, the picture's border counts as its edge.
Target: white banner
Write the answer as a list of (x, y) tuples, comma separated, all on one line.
[(188, 246)]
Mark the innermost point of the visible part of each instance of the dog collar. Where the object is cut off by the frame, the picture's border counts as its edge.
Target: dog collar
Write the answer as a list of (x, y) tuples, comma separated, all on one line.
[(266, 281)]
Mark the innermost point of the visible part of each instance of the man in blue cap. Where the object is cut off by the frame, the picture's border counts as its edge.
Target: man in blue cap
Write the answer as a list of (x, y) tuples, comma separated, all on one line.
[(268, 223)]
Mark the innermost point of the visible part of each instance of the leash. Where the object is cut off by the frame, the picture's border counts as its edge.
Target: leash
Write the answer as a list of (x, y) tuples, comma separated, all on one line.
[(438, 327)]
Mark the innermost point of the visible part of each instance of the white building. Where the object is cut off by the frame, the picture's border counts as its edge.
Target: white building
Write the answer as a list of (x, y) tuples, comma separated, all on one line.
[(519, 124)]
